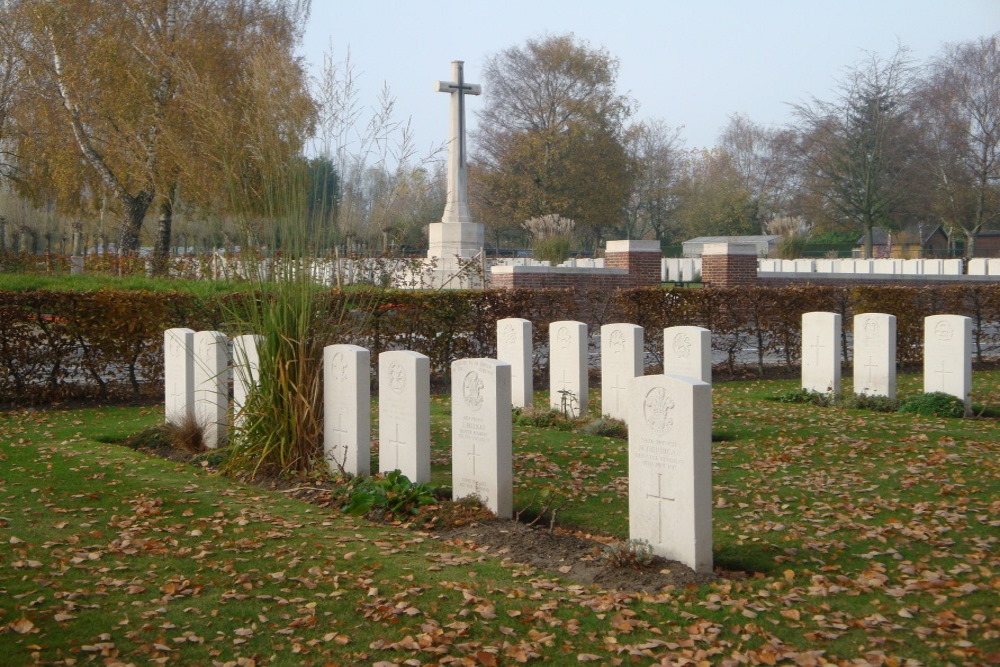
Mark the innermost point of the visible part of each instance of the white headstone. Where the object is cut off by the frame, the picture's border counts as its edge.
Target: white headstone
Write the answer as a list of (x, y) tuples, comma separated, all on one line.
[(75, 265), (978, 266), (688, 351), (404, 427), (178, 375), (347, 440), (514, 347), (804, 266), (481, 444), (821, 352), (948, 356), (211, 386), (622, 352), (246, 372), (670, 468), (875, 354), (568, 384)]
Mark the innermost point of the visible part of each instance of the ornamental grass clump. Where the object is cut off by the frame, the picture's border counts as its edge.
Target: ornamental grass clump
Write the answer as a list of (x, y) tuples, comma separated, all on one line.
[(551, 237)]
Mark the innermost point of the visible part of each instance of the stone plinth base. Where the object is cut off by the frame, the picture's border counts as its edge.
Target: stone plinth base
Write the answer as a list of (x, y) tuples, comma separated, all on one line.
[(450, 240), (642, 260), (728, 264), (428, 274)]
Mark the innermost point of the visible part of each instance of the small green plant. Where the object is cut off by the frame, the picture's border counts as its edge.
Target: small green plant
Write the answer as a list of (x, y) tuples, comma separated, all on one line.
[(874, 403), (607, 427), (568, 403), (805, 396), (633, 553), (542, 418), (933, 404), (393, 495)]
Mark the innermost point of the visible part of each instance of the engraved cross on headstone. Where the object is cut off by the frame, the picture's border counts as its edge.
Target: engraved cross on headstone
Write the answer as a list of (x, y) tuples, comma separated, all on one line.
[(619, 392), (338, 427), (817, 346), (395, 442), (871, 366), (457, 207), (659, 498)]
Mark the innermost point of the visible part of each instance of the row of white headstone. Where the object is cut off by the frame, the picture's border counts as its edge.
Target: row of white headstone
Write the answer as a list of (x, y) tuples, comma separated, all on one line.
[(947, 354), (687, 351), (669, 416)]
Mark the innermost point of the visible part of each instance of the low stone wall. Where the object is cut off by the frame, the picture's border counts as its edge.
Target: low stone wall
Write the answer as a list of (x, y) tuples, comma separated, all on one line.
[(556, 277)]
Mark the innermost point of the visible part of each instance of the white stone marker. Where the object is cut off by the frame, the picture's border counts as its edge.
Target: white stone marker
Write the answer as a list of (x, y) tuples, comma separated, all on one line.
[(481, 444), (568, 367), (670, 468), (514, 347), (875, 354), (404, 414), (347, 409), (948, 356), (178, 375), (821, 352), (688, 351), (246, 372), (622, 350), (211, 386)]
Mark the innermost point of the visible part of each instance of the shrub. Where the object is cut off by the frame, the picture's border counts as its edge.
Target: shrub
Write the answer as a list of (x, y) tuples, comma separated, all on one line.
[(869, 402), (805, 396), (634, 553), (607, 427), (933, 404), (393, 495)]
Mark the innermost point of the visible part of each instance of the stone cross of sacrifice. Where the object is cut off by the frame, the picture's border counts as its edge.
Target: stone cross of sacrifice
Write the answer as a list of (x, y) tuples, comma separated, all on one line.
[(457, 207)]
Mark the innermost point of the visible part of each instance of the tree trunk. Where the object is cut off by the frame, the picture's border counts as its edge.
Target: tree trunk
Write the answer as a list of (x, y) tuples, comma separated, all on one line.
[(970, 243), (135, 212), (161, 250)]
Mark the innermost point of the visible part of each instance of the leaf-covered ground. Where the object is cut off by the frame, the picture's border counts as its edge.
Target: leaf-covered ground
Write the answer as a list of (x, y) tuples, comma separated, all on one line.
[(870, 539)]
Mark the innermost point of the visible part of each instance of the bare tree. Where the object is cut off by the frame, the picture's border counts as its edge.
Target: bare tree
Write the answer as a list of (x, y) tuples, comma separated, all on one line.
[(854, 150), (656, 154), (959, 106), (762, 158)]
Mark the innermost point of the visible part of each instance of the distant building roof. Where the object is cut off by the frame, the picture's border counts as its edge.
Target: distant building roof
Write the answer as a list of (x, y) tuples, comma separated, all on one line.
[(765, 244), (763, 238)]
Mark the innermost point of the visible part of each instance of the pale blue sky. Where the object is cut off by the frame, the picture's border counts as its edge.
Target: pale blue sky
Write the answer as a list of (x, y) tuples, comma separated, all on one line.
[(692, 63)]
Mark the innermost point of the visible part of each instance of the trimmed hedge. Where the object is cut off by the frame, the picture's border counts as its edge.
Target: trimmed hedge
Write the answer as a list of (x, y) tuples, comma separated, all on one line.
[(108, 344)]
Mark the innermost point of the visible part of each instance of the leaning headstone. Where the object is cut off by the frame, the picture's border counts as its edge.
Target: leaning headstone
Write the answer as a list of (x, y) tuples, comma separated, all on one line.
[(688, 351), (514, 347), (246, 372), (178, 375), (670, 468), (481, 444), (568, 367), (404, 428), (347, 409), (875, 354), (821, 352), (948, 356), (211, 386), (621, 360)]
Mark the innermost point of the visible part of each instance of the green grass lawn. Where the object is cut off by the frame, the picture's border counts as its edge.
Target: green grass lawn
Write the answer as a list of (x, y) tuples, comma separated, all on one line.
[(869, 537)]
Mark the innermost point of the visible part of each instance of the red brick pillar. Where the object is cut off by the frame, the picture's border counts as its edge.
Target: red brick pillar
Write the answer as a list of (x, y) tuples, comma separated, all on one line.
[(728, 264), (642, 259)]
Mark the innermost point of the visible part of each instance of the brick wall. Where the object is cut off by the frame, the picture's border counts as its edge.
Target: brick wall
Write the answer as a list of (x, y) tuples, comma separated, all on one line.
[(643, 267), (621, 269), (728, 270)]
